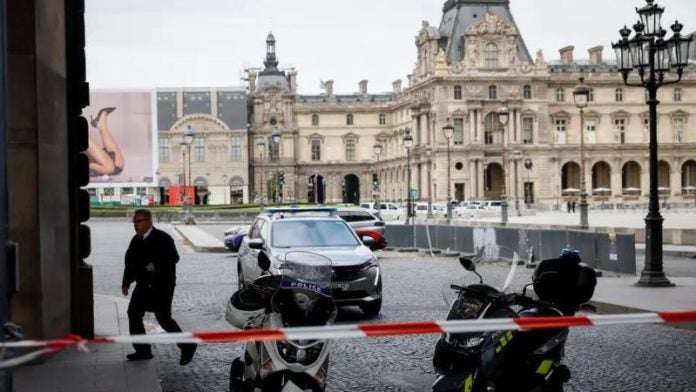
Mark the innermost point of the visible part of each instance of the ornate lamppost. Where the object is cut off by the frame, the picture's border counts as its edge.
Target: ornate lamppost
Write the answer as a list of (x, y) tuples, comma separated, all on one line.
[(376, 188), (260, 145), (652, 56), (581, 94), (503, 117), (188, 139), (276, 135), (448, 131), (408, 143)]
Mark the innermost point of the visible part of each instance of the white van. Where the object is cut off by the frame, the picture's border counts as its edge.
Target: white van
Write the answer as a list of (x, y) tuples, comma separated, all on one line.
[(388, 211), (491, 205)]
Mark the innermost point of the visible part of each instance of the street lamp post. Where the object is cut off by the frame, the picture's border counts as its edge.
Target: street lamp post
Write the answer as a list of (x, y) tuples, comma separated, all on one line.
[(503, 117), (652, 57), (260, 145), (581, 94), (429, 153), (448, 131), (276, 135), (528, 187), (408, 143), (188, 139), (376, 188)]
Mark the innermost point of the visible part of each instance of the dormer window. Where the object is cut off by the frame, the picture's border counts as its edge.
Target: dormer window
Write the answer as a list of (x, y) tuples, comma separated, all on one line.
[(491, 55)]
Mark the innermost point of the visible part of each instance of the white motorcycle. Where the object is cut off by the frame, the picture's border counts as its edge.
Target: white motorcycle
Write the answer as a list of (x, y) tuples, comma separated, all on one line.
[(297, 296)]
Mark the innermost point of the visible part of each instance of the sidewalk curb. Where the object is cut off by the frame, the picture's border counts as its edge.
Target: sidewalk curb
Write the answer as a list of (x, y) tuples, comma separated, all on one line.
[(200, 249), (609, 308), (674, 253)]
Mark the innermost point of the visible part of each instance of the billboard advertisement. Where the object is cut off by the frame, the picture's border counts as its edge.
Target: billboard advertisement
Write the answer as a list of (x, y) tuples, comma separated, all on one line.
[(121, 138)]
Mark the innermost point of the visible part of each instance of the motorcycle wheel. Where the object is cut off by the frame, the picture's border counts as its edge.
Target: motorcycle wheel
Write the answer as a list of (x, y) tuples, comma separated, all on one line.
[(236, 372)]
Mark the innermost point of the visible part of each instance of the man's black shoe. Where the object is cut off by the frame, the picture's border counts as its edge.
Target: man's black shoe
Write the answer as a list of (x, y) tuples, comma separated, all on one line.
[(136, 356), (187, 352)]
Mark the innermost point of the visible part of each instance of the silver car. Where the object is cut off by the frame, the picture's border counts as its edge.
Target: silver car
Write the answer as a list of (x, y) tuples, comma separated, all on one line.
[(356, 276)]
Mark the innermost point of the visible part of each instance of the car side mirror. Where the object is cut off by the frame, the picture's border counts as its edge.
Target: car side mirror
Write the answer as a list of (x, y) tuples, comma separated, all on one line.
[(256, 243), (367, 240), (264, 262), (467, 264)]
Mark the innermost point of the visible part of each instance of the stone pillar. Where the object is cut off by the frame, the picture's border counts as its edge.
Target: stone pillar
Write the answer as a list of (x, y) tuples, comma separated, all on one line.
[(675, 179), (616, 186)]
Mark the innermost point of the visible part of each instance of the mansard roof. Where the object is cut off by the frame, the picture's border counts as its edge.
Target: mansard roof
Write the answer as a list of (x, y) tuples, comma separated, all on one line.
[(355, 98), (459, 15)]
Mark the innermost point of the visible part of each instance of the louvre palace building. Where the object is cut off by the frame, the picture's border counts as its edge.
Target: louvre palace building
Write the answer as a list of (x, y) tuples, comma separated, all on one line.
[(468, 68)]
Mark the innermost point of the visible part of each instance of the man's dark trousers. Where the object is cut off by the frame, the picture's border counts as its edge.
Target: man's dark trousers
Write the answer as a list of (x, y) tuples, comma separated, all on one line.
[(147, 298)]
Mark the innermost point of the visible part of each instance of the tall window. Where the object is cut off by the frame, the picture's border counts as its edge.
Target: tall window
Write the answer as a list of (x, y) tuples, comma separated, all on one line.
[(590, 98), (618, 95), (458, 134), (620, 126), (492, 129), (457, 92), (315, 119), (677, 94), (236, 148), (492, 92), (382, 119), (527, 130), (527, 91), (349, 119), (316, 150), (350, 149), (560, 94), (164, 150), (590, 128), (199, 149), (491, 55), (272, 149), (561, 126), (678, 124)]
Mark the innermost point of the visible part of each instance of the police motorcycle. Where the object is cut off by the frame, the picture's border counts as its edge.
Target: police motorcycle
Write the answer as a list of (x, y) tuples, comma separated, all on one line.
[(296, 295), (521, 361)]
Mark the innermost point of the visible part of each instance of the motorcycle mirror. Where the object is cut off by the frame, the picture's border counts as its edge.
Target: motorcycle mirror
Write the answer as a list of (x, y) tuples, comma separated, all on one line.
[(467, 264), (264, 262)]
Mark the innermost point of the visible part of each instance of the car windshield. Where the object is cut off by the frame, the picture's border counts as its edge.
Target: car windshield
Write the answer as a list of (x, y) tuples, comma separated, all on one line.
[(312, 233)]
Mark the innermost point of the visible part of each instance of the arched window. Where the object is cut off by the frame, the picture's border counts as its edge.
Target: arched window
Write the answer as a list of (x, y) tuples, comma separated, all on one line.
[(382, 119), (619, 95), (527, 92), (491, 55), (349, 119), (560, 94), (492, 128), (677, 94), (492, 92), (315, 119), (457, 92)]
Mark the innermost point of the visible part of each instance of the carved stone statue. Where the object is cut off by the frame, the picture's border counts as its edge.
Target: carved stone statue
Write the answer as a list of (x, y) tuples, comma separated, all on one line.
[(539, 62)]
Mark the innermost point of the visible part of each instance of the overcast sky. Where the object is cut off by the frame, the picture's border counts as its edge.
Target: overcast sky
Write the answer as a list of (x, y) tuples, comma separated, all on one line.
[(200, 43)]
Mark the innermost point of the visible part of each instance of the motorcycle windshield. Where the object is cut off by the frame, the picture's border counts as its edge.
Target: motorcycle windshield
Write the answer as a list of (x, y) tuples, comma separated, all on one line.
[(304, 296), (493, 253)]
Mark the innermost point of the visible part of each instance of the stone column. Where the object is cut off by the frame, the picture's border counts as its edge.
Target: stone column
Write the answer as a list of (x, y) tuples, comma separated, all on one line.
[(675, 178), (616, 186)]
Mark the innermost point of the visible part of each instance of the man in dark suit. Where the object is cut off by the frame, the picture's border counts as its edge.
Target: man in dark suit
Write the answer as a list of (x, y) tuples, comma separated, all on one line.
[(151, 262)]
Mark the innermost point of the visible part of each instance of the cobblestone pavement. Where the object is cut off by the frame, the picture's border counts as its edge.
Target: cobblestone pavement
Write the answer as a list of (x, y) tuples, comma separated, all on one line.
[(617, 358)]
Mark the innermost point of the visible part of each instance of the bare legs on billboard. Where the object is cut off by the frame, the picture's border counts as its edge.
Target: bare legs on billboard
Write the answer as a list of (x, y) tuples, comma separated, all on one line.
[(107, 160)]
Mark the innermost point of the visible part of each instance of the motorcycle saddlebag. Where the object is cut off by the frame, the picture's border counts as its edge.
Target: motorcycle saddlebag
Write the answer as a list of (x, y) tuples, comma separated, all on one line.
[(564, 282)]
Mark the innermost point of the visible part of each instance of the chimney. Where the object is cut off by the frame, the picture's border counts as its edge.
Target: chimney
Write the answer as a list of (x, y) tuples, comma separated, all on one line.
[(252, 81), (329, 87), (292, 79), (567, 55), (363, 87), (596, 55), (396, 85)]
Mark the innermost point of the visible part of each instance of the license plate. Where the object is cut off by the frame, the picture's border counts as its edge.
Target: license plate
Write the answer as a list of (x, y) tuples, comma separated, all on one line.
[(340, 286)]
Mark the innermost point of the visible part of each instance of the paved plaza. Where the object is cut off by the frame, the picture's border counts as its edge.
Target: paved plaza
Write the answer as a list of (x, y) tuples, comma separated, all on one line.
[(617, 358)]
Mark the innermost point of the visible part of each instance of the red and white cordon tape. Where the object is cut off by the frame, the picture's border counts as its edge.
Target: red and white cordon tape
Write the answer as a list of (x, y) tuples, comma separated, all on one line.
[(358, 331)]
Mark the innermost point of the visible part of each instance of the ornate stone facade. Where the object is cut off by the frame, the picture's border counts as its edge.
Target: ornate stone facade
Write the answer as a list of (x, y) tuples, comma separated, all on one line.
[(468, 69)]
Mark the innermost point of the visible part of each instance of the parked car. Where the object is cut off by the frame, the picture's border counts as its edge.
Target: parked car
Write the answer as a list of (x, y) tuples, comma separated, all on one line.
[(469, 211), (365, 222), (356, 279), (491, 205), (233, 237), (387, 210)]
